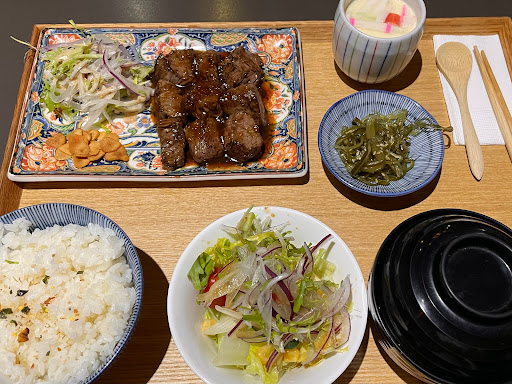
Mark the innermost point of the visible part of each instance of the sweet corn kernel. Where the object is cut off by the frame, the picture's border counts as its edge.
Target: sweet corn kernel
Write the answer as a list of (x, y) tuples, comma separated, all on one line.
[(292, 355), (207, 324), (264, 353)]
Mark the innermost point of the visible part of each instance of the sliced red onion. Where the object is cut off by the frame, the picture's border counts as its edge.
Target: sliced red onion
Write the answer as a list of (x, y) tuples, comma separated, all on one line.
[(304, 314), (235, 327), (287, 313), (224, 267), (63, 93), (264, 301), (331, 329), (339, 298), (231, 230), (269, 252), (124, 51), (123, 81), (253, 296), (237, 303), (250, 334), (64, 45), (232, 281), (281, 305), (229, 312), (343, 329), (309, 263), (270, 361), (286, 338), (314, 326), (313, 249), (281, 284), (302, 265), (265, 308)]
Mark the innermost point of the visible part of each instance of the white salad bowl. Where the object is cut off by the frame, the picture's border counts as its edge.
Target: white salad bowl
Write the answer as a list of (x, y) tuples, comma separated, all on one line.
[(185, 315)]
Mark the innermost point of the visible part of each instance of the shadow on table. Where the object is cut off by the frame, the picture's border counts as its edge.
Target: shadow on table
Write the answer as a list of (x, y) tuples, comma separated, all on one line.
[(150, 340), (354, 366), (406, 377), (403, 80), (166, 184), (383, 203)]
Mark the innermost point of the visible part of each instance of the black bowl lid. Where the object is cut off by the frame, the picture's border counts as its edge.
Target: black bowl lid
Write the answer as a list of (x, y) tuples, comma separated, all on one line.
[(441, 291)]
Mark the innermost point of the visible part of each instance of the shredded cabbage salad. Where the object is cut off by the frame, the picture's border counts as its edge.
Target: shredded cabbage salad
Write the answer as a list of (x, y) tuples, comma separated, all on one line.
[(94, 75), (270, 306)]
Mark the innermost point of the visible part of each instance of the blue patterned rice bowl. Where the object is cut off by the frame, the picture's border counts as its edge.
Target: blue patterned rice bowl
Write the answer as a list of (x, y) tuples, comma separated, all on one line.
[(69, 242)]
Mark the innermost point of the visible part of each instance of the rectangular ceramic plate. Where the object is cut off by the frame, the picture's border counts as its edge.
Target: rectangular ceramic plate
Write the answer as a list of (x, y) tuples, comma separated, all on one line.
[(285, 153)]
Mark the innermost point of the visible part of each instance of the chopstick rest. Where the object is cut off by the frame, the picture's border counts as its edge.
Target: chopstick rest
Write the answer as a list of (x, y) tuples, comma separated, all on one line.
[(496, 98)]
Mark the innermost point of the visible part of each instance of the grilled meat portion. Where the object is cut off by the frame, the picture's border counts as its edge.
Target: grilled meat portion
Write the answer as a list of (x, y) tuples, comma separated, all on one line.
[(242, 138), (241, 67), (170, 103), (162, 70), (209, 104), (182, 66), (207, 69), (172, 142), (203, 99), (245, 98), (204, 137), (171, 118)]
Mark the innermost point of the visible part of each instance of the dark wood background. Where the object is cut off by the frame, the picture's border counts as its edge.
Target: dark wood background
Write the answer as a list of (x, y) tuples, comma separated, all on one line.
[(18, 17)]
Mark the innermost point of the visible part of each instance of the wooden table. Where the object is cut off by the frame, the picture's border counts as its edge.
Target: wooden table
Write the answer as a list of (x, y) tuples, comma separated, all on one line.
[(161, 219)]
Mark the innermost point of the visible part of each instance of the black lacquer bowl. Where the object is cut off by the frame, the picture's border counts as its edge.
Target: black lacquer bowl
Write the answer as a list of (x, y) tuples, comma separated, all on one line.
[(440, 297)]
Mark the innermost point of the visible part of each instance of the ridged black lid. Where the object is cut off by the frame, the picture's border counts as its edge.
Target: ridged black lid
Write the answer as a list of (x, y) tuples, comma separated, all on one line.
[(441, 292)]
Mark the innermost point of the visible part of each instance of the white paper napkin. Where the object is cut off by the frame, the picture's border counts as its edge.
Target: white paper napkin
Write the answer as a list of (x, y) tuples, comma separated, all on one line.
[(480, 107)]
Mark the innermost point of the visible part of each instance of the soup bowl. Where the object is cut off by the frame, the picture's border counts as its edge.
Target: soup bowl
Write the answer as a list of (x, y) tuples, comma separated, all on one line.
[(440, 297)]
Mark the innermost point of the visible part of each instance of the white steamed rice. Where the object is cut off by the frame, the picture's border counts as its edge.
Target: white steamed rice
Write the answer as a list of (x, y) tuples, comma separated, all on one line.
[(89, 298)]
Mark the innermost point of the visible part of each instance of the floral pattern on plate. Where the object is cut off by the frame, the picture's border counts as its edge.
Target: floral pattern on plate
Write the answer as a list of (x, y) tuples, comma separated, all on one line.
[(161, 45), (285, 137)]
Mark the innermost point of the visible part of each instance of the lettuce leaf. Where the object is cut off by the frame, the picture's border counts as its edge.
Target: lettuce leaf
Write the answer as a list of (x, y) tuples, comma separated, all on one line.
[(256, 367), (200, 271)]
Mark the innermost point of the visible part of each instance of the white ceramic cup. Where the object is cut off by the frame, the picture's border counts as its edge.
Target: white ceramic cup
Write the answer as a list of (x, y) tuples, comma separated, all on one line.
[(370, 59)]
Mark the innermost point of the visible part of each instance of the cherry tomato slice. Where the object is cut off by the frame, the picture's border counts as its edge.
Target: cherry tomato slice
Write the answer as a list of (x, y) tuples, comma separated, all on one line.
[(393, 18), (221, 301)]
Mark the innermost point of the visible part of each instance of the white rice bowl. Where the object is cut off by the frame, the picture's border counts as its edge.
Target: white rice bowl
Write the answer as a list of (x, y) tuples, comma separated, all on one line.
[(78, 301)]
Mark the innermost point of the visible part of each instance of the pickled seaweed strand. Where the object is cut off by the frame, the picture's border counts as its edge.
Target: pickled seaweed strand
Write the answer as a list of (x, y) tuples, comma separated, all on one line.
[(375, 150)]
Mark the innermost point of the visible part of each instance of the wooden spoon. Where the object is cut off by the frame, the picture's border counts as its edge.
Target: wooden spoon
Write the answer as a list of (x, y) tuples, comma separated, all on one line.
[(454, 60)]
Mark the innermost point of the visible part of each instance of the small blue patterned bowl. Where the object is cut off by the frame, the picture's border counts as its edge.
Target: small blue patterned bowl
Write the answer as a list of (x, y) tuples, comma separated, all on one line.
[(47, 215), (427, 148)]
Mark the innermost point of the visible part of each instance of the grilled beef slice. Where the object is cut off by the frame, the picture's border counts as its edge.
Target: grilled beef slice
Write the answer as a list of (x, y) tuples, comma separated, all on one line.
[(207, 66), (203, 99), (242, 138), (241, 67), (171, 118), (170, 103), (172, 143), (204, 137), (245, 98), (182, 66)]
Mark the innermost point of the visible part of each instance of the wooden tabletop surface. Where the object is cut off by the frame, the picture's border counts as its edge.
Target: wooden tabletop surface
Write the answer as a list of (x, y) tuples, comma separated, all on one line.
[(161, 219)]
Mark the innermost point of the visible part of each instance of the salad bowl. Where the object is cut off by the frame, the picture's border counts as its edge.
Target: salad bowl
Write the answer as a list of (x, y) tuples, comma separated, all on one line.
[(185, 315)]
